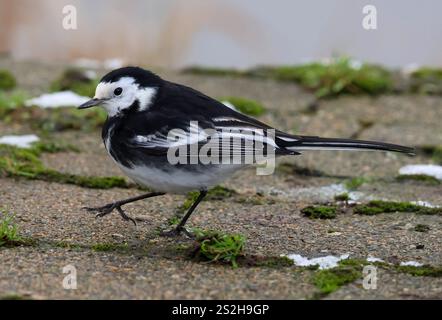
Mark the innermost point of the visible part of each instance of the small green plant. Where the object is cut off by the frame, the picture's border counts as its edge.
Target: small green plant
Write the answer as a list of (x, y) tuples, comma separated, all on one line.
[(7, 80), (8, 231), (219, 247), (320, 212), (344, 197), (355, 183), (378, 206), (10, 101), (246, 106)]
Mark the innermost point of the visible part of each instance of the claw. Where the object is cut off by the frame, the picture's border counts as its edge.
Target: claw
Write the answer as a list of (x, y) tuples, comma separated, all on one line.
[(108, 208)]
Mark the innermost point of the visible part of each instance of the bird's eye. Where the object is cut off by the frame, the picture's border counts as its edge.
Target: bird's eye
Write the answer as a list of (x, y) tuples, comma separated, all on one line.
[(118, 91)]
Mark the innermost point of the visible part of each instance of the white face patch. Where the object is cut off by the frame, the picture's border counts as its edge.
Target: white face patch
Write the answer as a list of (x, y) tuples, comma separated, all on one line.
[(131, 91)]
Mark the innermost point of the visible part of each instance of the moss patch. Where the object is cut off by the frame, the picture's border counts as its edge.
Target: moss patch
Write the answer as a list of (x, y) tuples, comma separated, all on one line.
[(218, 247), (106, 247), (246, 106), (7, 80), (426, 81), (10, 101), (25, 163), (419, 178), (344, 197), (423, 271), (378, 206), (320, 212), (330, 280), (77, 81)]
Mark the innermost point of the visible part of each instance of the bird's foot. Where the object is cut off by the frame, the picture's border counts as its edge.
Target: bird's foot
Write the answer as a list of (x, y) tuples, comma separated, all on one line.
[(108, 208), (176, 232)]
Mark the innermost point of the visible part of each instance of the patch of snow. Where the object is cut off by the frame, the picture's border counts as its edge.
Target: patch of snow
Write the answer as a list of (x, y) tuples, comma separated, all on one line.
[(90, 74), (431, 170), (113, 63), (21, 141), (374, 259), (424, 204), (411, 263), (326, 262), (57, 100), (410, 68)]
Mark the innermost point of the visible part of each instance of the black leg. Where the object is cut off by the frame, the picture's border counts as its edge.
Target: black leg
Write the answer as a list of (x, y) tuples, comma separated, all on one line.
[(180, 227), (108, 208)]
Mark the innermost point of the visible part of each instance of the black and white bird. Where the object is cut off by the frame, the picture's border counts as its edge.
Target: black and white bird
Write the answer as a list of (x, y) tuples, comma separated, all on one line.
[(143, 109)]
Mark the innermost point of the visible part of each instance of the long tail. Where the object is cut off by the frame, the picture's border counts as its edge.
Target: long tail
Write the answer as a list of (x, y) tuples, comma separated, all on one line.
[(318, 143)]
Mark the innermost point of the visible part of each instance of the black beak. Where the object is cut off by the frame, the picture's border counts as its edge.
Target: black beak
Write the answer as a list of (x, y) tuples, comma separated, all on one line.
[(91, 103)]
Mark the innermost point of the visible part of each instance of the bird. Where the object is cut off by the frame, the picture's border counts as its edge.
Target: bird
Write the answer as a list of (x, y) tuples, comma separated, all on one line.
[(148, 116)]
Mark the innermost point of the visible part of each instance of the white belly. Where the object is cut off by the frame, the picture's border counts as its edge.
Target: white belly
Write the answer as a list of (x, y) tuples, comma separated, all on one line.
[(178, 181)]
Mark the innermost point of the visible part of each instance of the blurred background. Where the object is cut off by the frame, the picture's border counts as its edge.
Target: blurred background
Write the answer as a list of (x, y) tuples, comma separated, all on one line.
[(226, 33)]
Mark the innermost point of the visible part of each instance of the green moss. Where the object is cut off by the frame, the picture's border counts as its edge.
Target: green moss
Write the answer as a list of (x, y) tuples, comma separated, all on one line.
[(7, 80), (426, 81), (418, 177), (340, 76), (218, 247), (320, 212), (273, 262), (25, 163), (13, 296), (246, 106), (77, 81), (209, 71), (423, 271), (434, 152), (378, 206), (216, 193), (106, 247), (9, 236), (333, 79), (330, 280), (422, 228), (342, 197), (355, 183), (10, 101)]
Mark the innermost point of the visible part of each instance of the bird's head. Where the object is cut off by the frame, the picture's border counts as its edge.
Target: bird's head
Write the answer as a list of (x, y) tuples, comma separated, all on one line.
[(125, 89)]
